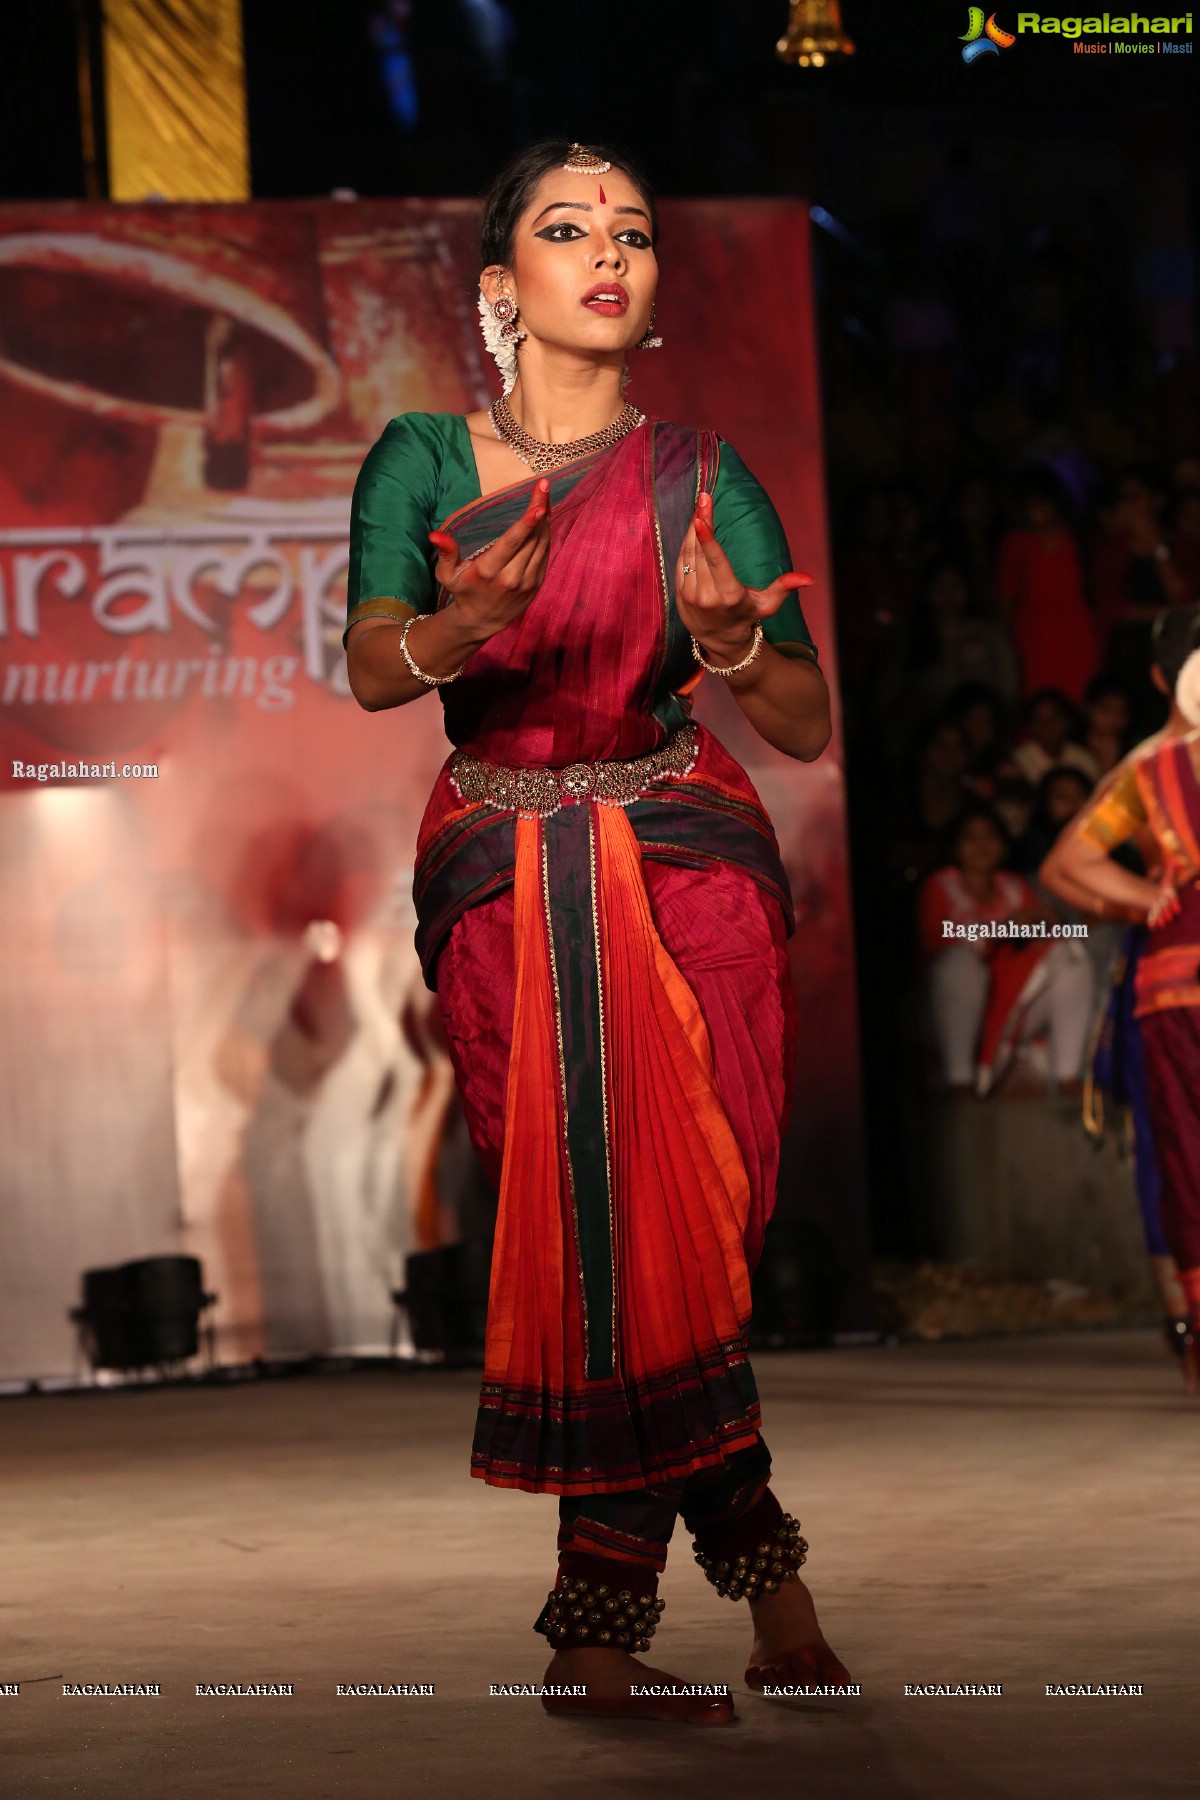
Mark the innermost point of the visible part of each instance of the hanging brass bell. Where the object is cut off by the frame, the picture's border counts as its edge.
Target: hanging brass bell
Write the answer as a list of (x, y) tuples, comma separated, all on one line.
[(815, 35)]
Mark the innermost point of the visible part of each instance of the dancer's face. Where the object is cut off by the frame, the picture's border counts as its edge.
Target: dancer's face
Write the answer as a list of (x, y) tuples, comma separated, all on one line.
[(569, 243)]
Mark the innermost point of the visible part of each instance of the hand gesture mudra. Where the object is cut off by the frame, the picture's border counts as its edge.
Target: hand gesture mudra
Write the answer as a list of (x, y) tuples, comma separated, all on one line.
[(713, 604), (1167, 906), (492, 589)]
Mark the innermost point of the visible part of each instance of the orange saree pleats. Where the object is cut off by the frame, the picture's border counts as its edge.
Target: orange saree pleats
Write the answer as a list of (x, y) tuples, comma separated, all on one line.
[(644, 1204), (527, 1302), (683, 1197)]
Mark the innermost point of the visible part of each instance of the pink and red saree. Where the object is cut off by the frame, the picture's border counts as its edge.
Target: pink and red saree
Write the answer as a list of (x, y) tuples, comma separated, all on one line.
[(615, 990)]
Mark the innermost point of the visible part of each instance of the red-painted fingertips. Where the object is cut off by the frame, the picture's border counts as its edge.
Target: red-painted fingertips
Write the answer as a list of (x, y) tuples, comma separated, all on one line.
[(443, 540), (704, 530)]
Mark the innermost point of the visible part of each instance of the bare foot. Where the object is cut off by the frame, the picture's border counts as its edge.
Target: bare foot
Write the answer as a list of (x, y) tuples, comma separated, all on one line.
[(786, 1621), (1183, 1345), (608, 1674)]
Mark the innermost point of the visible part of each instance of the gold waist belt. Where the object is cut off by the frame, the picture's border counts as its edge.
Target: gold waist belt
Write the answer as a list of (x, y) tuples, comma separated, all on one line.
[(543, 791)]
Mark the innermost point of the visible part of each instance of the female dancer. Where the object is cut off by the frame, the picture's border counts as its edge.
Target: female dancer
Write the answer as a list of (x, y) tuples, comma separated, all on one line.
[(1118, 1066), (603, 912), (1155, 792)]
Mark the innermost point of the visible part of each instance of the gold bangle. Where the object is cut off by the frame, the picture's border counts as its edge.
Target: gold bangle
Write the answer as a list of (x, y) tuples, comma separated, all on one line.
[(429, 680), (733, 669)]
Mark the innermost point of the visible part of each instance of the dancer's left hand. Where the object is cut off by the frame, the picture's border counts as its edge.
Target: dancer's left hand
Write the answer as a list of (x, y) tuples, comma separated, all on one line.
[(713, 604), (1165, 908)]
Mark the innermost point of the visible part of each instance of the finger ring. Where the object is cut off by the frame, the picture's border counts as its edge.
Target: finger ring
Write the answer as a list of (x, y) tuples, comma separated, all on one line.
[(688, 569)]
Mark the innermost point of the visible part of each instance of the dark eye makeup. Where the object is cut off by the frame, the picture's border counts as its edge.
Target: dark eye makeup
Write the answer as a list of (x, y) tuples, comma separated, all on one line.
[(638, 240)]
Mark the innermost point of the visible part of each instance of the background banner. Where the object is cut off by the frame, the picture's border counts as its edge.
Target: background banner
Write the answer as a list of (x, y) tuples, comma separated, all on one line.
[(214, 1039)]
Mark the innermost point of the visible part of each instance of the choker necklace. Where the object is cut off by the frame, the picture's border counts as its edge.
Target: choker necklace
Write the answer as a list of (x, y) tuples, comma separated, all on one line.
[(544, 457)]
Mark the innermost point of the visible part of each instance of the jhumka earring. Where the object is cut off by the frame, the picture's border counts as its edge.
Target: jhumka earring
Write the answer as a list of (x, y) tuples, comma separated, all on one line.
[(649, 341), (501, 333), (504, 311)]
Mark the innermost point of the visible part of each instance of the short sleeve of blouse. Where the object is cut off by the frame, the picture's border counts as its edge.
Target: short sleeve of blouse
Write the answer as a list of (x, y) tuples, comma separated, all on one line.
[(749, 530), (1114, 817), (391, 514)]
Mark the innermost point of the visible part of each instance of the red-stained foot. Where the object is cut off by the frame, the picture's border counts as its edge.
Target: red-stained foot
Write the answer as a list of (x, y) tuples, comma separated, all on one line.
[(789, 1649)]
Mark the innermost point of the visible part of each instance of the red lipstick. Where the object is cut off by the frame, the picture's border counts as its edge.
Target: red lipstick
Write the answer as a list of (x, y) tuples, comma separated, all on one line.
[(607, 297)]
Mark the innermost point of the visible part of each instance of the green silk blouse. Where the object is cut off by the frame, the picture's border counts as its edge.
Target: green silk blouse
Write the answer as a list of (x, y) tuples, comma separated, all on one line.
[(423, 468)]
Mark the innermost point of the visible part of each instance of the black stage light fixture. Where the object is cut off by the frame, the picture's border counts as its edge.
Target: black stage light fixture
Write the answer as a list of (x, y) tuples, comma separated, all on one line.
[(143, 1314), (445, 1296)]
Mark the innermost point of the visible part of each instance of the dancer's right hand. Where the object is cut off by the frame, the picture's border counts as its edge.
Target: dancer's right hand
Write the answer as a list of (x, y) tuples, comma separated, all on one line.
[(492, 589)]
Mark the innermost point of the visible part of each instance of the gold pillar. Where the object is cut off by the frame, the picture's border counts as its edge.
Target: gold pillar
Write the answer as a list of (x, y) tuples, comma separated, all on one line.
[(175, 100)]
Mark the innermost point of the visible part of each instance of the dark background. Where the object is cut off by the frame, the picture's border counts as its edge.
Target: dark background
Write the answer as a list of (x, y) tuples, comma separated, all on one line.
[(693, 86), (1034, 213)]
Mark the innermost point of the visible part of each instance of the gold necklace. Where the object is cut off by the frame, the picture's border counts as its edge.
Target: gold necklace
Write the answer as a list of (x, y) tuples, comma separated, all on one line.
[(544, 457)]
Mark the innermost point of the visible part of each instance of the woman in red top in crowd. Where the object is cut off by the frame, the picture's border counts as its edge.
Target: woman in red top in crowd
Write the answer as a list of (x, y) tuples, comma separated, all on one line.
[(1039, 584), (985, 992)]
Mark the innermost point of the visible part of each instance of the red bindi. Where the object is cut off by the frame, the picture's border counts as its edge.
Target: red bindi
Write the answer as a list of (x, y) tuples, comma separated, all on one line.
[(602, 196)]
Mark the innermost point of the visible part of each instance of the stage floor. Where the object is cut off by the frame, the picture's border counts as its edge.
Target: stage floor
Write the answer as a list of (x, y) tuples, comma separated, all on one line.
[(1018, 1511)]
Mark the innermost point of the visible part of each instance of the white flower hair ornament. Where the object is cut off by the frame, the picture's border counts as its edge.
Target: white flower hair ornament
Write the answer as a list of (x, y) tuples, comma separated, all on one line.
[(1187, 689), (501, 334)]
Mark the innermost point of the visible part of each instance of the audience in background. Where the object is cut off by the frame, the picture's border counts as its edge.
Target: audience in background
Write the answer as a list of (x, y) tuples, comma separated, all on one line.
[(1039, 585), (1045, 364), (1108, 721), (873, 589), (969, 534), (1183, 536), (1059, 796), (931, 799), (1063, 793), (950, 643), (981, 716), (1051, 726), (1014, 801), (991, 992), (993, 674), (1134, 576)]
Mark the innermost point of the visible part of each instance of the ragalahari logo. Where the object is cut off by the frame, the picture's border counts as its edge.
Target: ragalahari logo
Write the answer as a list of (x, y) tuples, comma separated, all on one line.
[(983, 37)]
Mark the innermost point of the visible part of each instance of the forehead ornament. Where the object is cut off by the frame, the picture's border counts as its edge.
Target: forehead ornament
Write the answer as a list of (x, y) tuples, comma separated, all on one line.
[(582, 162)]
